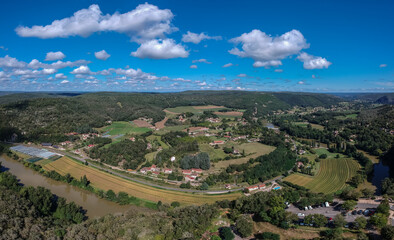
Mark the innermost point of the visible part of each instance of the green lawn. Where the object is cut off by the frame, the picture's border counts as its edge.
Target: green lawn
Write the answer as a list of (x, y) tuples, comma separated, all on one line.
[(192, 109), (348, 116), (320, 151), (212, 152)]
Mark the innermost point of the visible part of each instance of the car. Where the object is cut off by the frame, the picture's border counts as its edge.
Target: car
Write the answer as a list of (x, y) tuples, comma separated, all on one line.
[(366, 212), (310, 208), (306, 208), (330, 219), (347, 226), (302, 224), (301, 214), (354, 212), (359, 212)]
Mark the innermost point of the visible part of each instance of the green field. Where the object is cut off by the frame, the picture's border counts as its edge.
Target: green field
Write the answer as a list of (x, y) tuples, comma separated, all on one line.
[(305, 124), (123, 128), (212, 152), (349, 116), (331, 177), (194, 109), (152, 138), (320, 151)]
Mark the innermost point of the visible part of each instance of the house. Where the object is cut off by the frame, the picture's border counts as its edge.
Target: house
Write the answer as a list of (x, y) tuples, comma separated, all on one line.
[(227, 186), (71, 134), (144, 170), (46, 144), (65, 143), (190, 178), (155, 173), (149, 146), (168, 171), (85, 136), (261, 186), (252, 188), (153, 168), (173, 159), (300, 164), (186, 172), (132, 139), (196, 170), (90, 145)]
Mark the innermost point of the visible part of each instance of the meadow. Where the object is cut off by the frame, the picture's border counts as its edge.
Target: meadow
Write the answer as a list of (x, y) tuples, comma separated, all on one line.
[(105, 181), (305, 124), (331, 177), (193, 109), (123, 128)]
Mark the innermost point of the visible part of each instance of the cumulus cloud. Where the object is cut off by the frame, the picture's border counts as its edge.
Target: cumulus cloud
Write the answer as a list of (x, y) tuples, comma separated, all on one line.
[(301, 82), (53, 56), (266, 50), (35, 64), (10, 62), (193, 66), (48, 71), (82, 70), (202, 60), (228, 65), (161, 49), (145, 22), (383, 65), (60, 76), (197, 38), (64, 81), (102, 55), (242, 75), (278, 70), (313, 62)]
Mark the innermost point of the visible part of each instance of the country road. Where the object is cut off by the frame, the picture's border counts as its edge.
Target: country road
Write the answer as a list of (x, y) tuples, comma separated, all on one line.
[(83, 160)]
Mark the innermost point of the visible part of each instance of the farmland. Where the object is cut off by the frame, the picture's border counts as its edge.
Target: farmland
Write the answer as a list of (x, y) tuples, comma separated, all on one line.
[(193, 109), (122, 128), (106, 181), (252, 150), (304, 124), (331, 177)]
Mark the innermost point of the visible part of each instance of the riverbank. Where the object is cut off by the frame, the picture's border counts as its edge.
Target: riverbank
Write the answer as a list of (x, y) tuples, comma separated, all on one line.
[(96, 207)]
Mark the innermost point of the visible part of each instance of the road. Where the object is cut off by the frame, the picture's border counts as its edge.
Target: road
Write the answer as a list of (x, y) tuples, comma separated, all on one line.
[(83, 160)]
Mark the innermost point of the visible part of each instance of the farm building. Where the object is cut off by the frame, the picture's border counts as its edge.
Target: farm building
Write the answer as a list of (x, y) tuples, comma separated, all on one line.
[(186, 172), (252, 188)]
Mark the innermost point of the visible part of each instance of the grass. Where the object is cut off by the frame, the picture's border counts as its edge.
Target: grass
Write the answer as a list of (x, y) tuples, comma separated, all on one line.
[(151, 138), (320, 151), (255, 149), (331, 177), (212, 152), (106, 181), (348, 116), (194, 109), (123, 128), (44, 162), (305, 124)]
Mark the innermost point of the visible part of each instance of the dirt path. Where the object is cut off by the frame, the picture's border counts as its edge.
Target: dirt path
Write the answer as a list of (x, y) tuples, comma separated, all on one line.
[(161, 124)]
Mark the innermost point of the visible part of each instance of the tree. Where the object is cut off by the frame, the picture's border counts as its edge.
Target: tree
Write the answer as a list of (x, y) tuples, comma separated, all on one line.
[(269, 236), (215, 237), (384, 207), (378, 220), (323, 156), (110, 195), (339, 221), (362, 236), (175, 204), (84, 181), (360, 222), (349, 205), (204, 186), (332, 234), (368, 193), (244, 226), (318, 220), (387, 232), (226, 233)]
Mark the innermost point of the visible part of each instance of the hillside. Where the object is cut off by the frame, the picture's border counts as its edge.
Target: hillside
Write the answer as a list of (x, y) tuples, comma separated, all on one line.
[(48, 115)]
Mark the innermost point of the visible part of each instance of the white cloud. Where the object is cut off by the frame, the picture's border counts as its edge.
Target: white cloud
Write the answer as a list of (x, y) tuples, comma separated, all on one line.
[(193, 66), (82, 70), (202, 60), (53, 56), (60, 76), (278, 70), (242, 75), (313, 62), (35, 64), (266, 50), (228, 65), (145, 22), (301, 82), (161, 49), (102, 55), (201, 83), (64, 81), (383, 65), (10, 62), (197, 38), (48, 71)]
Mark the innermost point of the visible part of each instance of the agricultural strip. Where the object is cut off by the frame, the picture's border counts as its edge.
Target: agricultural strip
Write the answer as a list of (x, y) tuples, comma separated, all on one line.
[(332, 176), (106, 181)]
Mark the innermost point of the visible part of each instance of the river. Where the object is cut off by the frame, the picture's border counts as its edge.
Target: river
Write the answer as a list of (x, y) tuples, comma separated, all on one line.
[(95, 206)]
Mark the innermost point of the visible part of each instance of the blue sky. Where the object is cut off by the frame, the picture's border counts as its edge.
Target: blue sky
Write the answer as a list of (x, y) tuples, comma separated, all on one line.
[(81, 45)]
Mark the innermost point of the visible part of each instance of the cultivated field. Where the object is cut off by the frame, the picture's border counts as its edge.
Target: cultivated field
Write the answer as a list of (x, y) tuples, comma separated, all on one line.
[(192, 109), (161, 124), (230, 114), (122, 128), (331, 177), (142, 123), (255, 149), (305, 124), (106, 181)]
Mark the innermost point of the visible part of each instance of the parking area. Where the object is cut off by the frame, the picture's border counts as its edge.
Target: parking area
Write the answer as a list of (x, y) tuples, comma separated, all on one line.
[(333, 210)]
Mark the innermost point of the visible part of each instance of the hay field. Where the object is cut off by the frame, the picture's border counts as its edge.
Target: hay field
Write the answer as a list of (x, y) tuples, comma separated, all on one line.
[(122, 128), (230, 114), (331, 177), (106, 181)]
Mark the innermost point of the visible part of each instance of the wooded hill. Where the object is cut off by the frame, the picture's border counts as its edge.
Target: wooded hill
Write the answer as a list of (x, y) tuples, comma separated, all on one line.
[(43, 116)]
